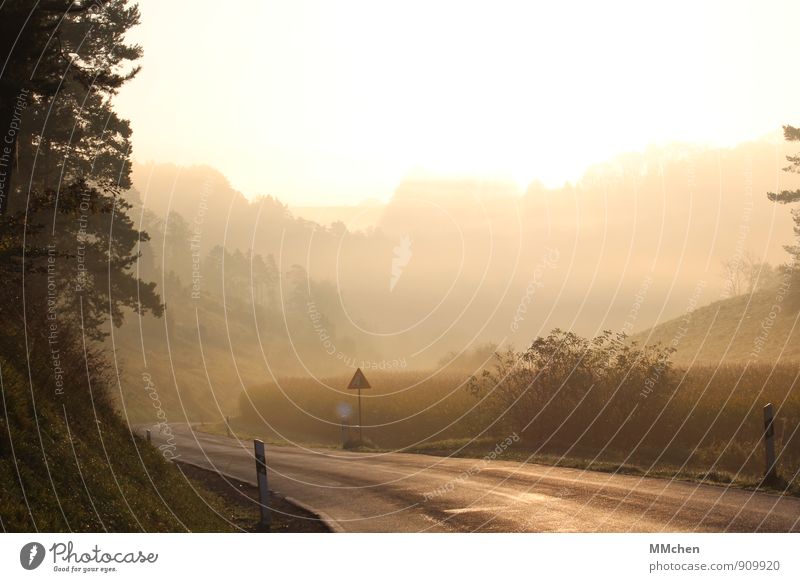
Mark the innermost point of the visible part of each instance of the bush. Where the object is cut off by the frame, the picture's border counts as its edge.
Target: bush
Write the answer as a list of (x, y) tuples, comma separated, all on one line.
[(612, 400)]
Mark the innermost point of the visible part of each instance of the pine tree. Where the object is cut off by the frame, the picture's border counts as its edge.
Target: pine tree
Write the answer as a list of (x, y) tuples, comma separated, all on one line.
[(68, 248), (63, 62), (791, 269)]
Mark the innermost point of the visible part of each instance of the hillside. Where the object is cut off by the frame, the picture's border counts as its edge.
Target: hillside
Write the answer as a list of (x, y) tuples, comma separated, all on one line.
[(761, 328), (69, 463)]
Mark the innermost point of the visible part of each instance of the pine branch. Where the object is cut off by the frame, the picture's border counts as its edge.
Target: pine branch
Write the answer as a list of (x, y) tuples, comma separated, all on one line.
[(784, 196)]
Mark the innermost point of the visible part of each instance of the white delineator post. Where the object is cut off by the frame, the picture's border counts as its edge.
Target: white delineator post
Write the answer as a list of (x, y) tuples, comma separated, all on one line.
[(771, 473), (263, 489), (360, 422)]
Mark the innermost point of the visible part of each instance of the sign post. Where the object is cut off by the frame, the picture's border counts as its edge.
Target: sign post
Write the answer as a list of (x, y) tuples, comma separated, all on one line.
[(359, 382), (263, 490), (771, 473)]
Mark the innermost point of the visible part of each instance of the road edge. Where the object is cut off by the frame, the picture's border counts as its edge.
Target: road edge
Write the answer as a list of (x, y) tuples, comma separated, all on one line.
[(326, 519), (329, 522)]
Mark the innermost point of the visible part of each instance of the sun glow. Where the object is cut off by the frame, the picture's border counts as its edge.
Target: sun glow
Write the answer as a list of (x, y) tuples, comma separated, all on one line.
[(322, 103)]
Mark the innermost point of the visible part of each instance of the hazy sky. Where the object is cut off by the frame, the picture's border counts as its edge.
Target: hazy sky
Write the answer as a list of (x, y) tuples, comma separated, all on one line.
[(321, 102)]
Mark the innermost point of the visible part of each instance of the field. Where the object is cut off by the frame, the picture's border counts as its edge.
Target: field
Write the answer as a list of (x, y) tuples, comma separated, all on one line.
[(703, 422)]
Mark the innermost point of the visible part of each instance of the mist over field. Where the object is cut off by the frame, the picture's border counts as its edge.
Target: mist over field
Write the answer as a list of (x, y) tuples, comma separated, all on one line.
[(448, 265), (269, 312)]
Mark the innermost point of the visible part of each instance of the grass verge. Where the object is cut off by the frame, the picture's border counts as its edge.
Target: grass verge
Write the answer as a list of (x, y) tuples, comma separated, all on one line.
[(479, 448), (238, 504)]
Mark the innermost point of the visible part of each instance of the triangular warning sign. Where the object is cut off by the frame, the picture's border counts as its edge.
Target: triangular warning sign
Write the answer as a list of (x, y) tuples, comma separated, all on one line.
[(359, 381)]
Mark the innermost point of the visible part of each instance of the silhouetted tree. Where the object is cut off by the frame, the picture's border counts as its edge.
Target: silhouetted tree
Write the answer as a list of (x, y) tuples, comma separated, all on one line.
[(68, 247), (63, 60), (791, 133), (747, 274)]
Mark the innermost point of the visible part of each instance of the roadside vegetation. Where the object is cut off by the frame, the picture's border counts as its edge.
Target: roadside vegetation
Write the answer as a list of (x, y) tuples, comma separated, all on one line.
[(604, 403), (72, 465), (68, 266)]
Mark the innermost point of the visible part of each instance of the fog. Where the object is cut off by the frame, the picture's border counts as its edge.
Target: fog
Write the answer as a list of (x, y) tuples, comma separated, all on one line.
[(447, 267), (562, 235)]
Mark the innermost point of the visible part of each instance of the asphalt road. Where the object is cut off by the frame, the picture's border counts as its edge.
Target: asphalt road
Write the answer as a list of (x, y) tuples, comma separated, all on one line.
[(397, 492)]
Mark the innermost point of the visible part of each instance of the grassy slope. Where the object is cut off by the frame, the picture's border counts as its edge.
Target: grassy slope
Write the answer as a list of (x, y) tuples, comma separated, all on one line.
[(196, 378), (73, 465), (728, 330)]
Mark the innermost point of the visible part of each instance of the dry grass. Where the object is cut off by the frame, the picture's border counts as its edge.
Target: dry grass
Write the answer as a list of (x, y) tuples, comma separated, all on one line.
[(700, 423)]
